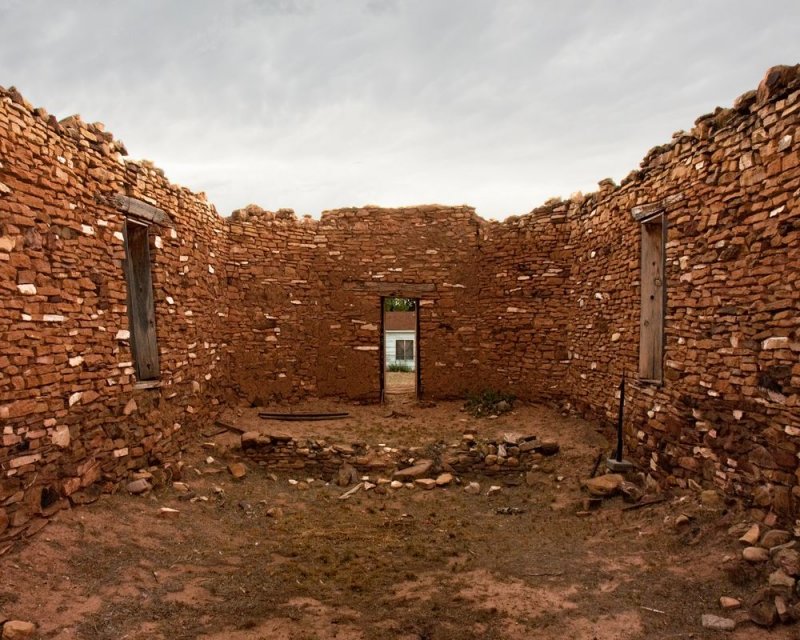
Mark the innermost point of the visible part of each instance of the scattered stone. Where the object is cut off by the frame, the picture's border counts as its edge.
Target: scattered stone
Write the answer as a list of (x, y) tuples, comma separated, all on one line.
[(547, 448), (630, 491), (726, 602), (292, 481), (138, 486), (417, 470), (275, 512), (168, 512), (509, 511), (751, 536), (494, 489), (426, 483), (346, 475), (775, 538), (779, 579), (473, 488), (711, 498), (739, 529), (302, 486), (18, 630), (782, 609), (369, 485), (710, 621), (396, 484), (181, 487), (755, 554), (763, 613), (789, 545), (444, 479), (605, 485), (789, 561), (237, 469), (682, 519), (771, 519), (210, 460)]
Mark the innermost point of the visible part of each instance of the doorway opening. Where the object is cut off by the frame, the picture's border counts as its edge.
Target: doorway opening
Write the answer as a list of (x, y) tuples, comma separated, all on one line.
[(400, 372)]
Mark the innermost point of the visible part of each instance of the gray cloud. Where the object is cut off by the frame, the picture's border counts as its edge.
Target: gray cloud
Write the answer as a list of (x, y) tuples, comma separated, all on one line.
[(318, 104)]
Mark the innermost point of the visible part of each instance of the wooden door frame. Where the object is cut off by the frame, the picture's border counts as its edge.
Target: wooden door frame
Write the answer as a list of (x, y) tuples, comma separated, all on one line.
[(417, 349)]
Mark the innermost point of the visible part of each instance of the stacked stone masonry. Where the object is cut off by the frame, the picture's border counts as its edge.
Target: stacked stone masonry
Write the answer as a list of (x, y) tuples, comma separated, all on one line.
[(264, 306)]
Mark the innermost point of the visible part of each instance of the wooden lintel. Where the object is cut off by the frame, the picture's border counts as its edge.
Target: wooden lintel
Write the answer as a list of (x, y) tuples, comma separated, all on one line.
[(645, 212), (399, 289), (135, 208)]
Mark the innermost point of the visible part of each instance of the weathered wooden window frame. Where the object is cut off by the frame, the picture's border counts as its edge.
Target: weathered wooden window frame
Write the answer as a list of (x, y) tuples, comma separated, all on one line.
[(653, 298), (139, 217)]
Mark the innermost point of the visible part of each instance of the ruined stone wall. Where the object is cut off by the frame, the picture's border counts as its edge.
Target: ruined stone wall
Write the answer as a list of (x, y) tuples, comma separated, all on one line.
[(274, 307), (728, 412), (429, 253), (524, 273), (71, 416), (274, 299), (306, 298)]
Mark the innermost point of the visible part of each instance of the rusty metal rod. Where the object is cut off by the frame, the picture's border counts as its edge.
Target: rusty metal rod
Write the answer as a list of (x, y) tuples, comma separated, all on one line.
[(621, 413)]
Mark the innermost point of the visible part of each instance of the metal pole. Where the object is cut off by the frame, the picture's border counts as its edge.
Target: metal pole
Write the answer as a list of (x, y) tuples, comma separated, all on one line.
[(621, 413)]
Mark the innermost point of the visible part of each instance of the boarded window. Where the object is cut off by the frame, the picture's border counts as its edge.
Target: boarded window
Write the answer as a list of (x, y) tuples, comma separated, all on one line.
[(653, 303), (404, 350), (141, 310)]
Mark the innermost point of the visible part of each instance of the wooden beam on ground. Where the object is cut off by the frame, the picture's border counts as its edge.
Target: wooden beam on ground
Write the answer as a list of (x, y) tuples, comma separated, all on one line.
[(231, 427), (644, 503), (302, 417)]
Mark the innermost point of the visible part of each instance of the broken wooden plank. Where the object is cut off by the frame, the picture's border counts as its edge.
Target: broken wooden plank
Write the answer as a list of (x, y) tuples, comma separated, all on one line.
[(231, 427), (301, 417), (644, 503), (352, 491)]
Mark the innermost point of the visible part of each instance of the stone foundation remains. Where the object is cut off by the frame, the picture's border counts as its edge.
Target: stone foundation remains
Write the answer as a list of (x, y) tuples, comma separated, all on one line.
[(322, 458)]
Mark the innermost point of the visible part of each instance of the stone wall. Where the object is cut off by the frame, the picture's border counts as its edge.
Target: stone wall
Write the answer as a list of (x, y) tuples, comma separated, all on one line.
[(71, 415), (306, 298), (525, 265), (729, 408), (728, 411), (266, 306)]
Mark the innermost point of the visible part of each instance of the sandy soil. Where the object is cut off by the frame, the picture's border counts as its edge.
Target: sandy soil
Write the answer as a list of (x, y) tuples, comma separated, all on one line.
[(260, 558), (400, 382)]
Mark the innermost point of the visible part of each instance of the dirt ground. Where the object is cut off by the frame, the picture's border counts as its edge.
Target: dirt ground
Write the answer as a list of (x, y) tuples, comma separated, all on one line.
[(400, 382), (261, 558)]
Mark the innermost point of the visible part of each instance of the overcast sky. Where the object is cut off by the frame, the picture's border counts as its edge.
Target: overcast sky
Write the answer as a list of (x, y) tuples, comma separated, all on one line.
[(318, 104)]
